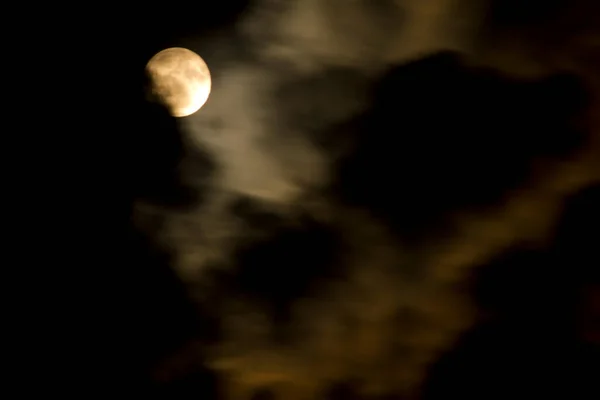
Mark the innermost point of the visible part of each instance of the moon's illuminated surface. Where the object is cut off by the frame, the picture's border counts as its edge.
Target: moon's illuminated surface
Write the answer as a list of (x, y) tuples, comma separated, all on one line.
[(181, 80)]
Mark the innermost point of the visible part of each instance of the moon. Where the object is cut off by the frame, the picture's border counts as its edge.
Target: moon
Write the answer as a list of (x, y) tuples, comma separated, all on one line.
[(180, 79)]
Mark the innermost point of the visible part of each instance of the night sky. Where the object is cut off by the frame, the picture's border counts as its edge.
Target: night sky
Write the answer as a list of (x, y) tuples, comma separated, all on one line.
[(394, 199)]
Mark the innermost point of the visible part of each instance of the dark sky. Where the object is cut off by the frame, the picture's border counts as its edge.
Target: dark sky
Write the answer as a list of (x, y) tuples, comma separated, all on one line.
[(380, 200)]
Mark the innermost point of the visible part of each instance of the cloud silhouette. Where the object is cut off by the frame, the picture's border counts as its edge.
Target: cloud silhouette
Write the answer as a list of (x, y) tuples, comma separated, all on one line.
[(441, 136)]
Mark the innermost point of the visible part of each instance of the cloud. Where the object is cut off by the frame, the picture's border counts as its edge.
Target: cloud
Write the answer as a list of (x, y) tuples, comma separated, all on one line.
[(536, 307), (440, 137), (353, 190)]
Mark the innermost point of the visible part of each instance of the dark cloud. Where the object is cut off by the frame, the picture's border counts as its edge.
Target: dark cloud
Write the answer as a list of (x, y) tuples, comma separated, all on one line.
[(441, 136), (511, 12), (536, 332), (287, 265), (574, 238)]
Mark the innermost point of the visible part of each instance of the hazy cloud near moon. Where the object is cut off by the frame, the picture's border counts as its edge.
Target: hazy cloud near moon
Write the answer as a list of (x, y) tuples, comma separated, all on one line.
[(292, 42), (309, 67)]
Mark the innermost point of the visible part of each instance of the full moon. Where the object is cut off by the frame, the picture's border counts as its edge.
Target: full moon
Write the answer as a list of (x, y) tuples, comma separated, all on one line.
[(180, 79)]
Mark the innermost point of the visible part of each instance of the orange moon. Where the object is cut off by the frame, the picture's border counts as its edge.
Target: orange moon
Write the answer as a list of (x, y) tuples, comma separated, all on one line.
[(180, 79)]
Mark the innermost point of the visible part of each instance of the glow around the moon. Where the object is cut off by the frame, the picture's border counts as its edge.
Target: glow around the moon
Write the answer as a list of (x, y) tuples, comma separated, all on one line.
[(180, 79)]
